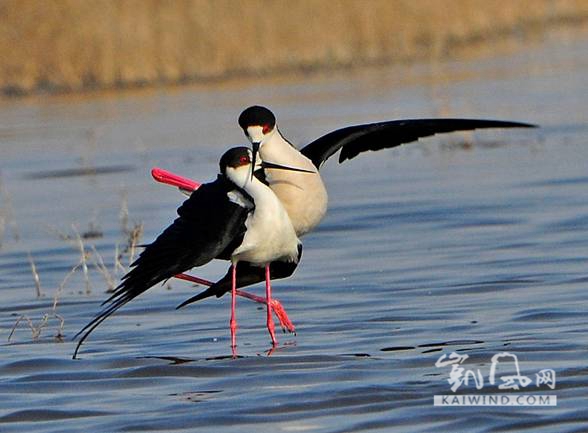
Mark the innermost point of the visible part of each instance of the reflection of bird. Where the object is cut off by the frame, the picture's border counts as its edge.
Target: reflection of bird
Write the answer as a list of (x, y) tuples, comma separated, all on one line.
[(236, 217), (304, 195)]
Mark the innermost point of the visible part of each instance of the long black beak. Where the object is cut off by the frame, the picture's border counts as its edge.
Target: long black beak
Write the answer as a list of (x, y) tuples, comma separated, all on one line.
[(255, 149), (265, 164)]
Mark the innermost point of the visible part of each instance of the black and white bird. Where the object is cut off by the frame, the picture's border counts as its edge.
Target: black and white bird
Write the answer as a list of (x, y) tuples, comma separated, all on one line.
[(237, 217), (304, 195)]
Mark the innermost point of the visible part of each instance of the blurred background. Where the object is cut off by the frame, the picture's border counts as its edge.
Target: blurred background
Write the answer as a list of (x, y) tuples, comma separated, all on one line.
[(72, 45)]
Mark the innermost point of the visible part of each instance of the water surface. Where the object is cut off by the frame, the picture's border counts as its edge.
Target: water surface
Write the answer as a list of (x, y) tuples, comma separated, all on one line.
[(468, 243)]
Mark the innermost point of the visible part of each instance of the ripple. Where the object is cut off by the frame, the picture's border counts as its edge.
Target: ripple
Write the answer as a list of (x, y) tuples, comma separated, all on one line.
[(79, 172), (40, 415)]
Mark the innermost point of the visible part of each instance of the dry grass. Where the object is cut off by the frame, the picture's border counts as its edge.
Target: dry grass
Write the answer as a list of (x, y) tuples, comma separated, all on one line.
[(36, 277), (89, 264), (135, 235), (87, 254), (83, 260), (37, 328), (108, 277), (60, 45)]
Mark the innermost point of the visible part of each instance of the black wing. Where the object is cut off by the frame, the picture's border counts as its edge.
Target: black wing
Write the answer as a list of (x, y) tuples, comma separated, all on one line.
[(209, 226), (375, 136)]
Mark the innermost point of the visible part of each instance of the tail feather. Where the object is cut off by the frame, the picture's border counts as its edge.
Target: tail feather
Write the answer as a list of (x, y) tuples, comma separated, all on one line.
[(137, 281), (193, 239), (211, 291), (101, 317)]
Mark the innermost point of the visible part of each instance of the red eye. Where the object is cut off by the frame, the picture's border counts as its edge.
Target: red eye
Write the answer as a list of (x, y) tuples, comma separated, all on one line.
[(244, 160), (266, 128)]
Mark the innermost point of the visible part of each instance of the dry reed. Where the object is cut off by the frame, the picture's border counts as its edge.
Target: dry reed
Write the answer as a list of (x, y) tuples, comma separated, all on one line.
[(87, 253), (83, 260), (135, 235), (70, 45), (36, 329), (99, 263), (36, 277)]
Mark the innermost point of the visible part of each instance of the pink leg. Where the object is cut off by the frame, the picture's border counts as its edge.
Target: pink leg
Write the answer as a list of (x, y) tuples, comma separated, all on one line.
[(169, 178), (233, 322), (277, 307), (285, 322), (192, 279), (185, 184), (268, 296)]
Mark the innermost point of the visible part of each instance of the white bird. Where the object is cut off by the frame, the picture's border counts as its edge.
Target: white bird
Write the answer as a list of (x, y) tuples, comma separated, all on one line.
[(304, 195), (237, 217)]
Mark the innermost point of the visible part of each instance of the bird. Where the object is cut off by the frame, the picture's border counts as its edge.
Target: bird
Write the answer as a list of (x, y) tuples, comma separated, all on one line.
[(304, 196), (244, 221)]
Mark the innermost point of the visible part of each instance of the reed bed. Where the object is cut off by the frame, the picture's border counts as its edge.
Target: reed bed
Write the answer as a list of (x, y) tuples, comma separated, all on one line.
[(73, 45)]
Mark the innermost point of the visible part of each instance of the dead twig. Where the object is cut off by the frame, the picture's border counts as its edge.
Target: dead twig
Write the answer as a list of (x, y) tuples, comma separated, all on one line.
[(42, 323), (22, 316), (124, 212), (134, 237), (35, 330), (99, 263), (59, 334), (118, 255), (38, 328), (62, 285), (83, 260), (35, 276)]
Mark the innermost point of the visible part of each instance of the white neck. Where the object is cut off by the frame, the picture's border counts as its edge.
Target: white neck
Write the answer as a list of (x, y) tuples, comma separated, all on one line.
[(278, 150), (241, 177)]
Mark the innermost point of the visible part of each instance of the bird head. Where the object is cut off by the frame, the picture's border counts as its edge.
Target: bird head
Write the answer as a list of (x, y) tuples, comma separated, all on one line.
[(258, 124), (237, 164)]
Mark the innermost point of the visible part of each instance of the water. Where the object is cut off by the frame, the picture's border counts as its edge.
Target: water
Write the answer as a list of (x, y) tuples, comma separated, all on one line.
[(468, 243)]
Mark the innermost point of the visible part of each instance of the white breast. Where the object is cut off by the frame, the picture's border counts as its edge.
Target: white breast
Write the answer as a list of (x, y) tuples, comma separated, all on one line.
[(270, 235), (303, 195)]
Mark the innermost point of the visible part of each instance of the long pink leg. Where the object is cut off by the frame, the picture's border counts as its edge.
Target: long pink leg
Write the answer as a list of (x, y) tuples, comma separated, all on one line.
[(268, 296), (185, 184), (169, 178), (233, 322), (285, 322), (189, 185), (192, 279)]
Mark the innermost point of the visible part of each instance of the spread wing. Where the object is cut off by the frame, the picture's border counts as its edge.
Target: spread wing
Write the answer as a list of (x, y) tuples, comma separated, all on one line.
[(209, 225), (382, 135)]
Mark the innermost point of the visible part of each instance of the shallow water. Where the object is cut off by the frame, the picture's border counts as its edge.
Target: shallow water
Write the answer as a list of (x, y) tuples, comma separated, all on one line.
[(467, 243)]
